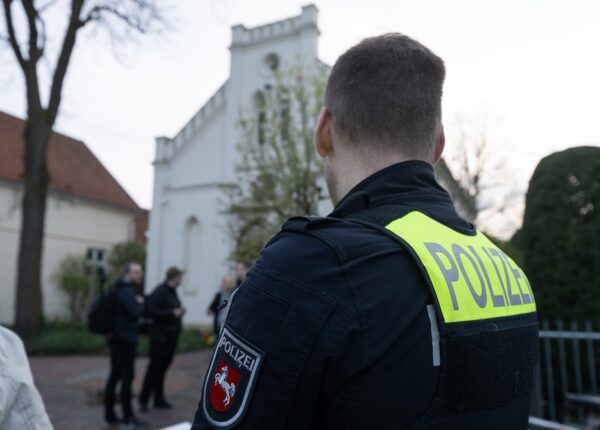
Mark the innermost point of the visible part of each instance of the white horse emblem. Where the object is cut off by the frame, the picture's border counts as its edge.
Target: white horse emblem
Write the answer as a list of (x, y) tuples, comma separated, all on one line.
[(229, 388)]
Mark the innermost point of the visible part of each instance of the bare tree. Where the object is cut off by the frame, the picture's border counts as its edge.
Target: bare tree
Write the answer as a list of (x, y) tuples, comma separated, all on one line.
[(479, 167), (27, 35)]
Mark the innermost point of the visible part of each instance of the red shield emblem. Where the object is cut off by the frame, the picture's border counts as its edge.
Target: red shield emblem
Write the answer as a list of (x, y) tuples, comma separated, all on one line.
[(226, 382), (230, 379)]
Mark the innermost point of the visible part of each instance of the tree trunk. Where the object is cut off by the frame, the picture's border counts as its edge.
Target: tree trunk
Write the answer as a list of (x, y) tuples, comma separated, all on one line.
[(29, 316)]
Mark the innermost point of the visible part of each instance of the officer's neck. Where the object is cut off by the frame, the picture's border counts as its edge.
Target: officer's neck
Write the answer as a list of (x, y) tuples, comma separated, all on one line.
[(357, 168)]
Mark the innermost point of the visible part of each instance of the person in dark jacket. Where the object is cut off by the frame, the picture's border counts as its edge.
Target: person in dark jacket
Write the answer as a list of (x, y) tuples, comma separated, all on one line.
[(164, 308), (122, 343), (392, 313)]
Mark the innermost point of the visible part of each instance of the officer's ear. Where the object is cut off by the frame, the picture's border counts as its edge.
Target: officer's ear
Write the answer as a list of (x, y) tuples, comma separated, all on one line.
[(439, 146), (323, 142)]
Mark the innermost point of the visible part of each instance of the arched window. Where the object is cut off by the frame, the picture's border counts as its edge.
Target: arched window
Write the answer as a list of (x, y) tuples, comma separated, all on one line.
[(192, 255), (261, 116), (285, 107)]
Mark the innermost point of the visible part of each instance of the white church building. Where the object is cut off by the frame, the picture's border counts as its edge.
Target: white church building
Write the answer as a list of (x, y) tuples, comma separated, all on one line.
[(187, 226), (190, 169)]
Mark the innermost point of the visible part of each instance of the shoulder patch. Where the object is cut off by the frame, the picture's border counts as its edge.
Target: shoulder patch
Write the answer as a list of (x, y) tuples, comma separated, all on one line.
[(230, 379)]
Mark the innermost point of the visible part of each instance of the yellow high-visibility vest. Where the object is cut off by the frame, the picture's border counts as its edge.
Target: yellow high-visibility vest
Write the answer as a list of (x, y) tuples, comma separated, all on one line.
[(470, 277)]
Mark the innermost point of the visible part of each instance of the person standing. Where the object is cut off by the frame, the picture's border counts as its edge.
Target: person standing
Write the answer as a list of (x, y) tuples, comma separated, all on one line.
[(241, 270), (129, 307), (393, 312), (217, 306), (165, 310)]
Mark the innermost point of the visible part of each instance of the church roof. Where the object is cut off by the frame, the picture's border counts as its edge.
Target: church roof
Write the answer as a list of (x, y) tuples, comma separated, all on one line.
[(73, 168)]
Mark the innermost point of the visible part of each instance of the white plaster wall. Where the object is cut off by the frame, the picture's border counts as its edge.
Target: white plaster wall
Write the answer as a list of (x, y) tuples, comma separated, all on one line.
[(72, 226), (155, 241), (201, 160)]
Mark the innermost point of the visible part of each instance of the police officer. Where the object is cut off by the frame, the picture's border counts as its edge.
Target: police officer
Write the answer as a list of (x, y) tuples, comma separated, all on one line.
[(164, 308), (393, 312)]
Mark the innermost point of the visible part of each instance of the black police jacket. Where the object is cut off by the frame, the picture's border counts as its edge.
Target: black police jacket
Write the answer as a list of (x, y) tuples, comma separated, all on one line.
[(159, 307), (127, 313), (331, 330)]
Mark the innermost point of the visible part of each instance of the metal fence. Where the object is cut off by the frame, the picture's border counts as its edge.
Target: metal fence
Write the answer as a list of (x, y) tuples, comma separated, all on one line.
[(568, 364)]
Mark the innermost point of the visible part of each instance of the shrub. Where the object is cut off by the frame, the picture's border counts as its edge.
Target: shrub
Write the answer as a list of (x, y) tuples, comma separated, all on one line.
[(75, 280), (560, 238), (60, 338), (65, 338)]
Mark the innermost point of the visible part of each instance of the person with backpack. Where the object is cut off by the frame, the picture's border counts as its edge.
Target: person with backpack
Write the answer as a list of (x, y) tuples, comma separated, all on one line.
[(128, 307), (164, 309)]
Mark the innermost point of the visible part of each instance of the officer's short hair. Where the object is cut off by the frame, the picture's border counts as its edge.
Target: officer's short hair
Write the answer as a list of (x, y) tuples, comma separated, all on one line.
[(387, 92)]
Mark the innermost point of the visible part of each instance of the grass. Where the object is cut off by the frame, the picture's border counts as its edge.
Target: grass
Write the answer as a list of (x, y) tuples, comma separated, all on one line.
[(59, 338)]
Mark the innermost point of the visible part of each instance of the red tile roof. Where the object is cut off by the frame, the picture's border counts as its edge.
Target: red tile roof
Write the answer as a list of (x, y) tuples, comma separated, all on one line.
[(72, 166)]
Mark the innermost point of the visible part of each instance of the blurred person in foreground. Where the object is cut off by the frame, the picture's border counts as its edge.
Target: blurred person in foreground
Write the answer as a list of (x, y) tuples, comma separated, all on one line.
[(129, 307), (241, 270), (393, 312), (21, 406), (220, 301), (164, 309)]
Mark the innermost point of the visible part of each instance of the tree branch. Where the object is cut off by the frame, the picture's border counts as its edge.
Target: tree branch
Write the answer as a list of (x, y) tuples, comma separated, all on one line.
[(35, 52), (64, 59), (12, 38), (146, 12)]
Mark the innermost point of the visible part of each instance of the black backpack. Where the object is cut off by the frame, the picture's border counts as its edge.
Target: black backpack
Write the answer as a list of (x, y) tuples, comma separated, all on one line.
[(102, 313)]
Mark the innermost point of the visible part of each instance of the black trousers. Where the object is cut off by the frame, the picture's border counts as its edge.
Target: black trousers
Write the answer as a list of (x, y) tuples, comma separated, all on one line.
[(122, 361), (162, 351)]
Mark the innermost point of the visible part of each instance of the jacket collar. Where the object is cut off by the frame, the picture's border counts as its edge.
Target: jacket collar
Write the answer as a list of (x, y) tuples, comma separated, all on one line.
[(124, 283), (406, 183)]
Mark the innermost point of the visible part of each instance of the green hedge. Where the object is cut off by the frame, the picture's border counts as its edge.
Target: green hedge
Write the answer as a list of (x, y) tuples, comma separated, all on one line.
[(560, 237), (68, 338)]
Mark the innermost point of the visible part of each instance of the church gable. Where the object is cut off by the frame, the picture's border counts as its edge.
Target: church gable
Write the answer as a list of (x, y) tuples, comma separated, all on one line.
[(167, 148)]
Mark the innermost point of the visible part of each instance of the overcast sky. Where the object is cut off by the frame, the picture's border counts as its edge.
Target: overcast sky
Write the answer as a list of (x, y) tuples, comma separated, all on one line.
[(527, 69)]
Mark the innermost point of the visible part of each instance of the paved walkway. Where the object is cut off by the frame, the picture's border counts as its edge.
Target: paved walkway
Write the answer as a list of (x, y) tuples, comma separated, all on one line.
[(72, 385)]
